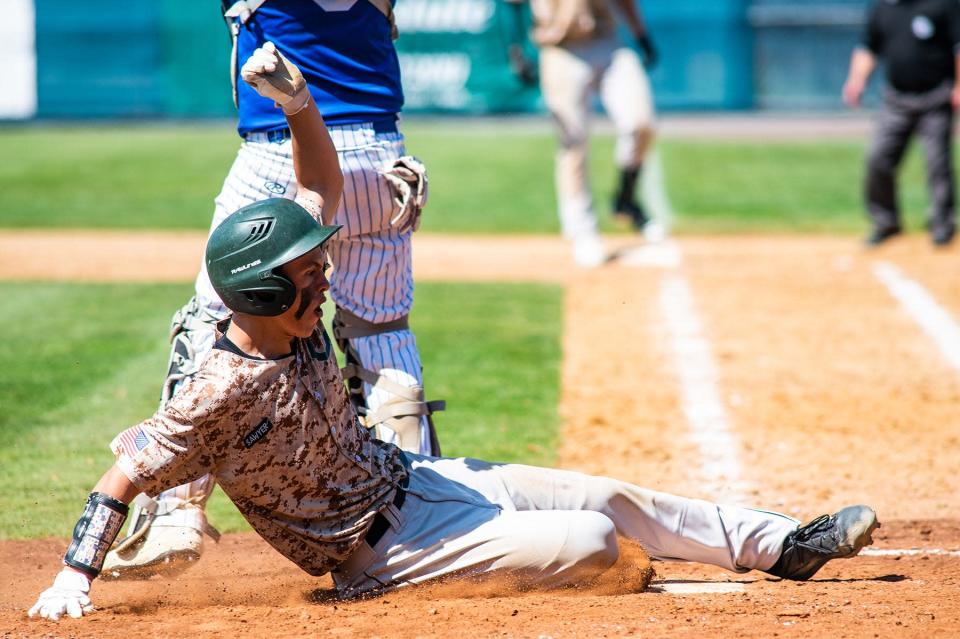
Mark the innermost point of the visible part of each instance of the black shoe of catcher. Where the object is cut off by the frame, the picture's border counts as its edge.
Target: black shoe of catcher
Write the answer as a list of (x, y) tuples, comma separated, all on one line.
[(880, 235), (827, 537)]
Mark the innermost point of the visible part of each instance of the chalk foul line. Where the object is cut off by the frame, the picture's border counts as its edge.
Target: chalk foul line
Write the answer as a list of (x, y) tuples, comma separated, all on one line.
[(935, 321), (706, 416), (909, 552)]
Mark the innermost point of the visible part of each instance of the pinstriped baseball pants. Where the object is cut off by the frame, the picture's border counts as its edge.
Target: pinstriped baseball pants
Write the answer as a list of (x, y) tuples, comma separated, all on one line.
[(372, 272), (546, 527)]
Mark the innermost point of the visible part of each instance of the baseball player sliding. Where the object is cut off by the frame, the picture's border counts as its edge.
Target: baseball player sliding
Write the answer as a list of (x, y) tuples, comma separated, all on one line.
[(268, 414), (346, 54), (580, 52)]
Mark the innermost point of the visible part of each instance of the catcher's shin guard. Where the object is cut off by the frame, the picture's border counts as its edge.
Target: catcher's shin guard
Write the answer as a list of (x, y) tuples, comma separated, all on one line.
[(406, 411), (191, 330), (403, 413)]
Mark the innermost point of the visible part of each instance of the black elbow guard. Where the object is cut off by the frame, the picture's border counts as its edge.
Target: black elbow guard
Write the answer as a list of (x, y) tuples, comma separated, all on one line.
[(94, 533)]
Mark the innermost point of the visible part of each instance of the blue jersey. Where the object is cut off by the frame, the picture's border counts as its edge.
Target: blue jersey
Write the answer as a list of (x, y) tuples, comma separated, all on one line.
[(347, 58)]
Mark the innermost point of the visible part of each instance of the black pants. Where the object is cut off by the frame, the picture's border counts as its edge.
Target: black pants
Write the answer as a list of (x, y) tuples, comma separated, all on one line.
[(931, 116)]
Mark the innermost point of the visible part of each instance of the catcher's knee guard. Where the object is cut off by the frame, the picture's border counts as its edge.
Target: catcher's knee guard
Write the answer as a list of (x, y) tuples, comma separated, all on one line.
[(187, 323), (406, 408)]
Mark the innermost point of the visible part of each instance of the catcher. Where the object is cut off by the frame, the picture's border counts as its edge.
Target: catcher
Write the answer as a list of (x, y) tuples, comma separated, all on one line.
[(348, 60), (269, 416)]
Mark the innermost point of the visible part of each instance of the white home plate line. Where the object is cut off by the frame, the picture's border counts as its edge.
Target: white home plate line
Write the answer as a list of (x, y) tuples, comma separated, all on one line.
[(909, 552), (659, 255), (924, 310), (697, 587), (705, 413)]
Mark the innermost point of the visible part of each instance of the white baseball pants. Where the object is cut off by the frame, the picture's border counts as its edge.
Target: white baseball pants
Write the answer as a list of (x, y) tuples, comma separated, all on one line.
[(569, 76), (372, 271), (547, 527)]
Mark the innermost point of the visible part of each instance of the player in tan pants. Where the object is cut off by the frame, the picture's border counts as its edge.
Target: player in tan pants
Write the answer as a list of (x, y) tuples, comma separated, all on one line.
[(581, 54)]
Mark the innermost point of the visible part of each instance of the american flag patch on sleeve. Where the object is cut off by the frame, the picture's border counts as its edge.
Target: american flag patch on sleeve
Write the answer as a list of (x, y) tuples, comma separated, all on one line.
[(130, 442)]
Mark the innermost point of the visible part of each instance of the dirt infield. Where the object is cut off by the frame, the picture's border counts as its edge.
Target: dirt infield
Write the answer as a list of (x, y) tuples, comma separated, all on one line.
[(796, 374), (129, 256)]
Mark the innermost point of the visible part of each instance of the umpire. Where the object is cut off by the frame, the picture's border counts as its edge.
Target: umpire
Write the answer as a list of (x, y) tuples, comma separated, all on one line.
[(919, 42)]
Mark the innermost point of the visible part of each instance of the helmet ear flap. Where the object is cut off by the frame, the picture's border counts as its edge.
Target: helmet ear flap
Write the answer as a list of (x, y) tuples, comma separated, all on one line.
[(286, 295), (273, 295)]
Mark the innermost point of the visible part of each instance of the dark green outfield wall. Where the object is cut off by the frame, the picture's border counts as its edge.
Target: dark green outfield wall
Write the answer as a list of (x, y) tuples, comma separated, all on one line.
[(116, 58), (120, 58)]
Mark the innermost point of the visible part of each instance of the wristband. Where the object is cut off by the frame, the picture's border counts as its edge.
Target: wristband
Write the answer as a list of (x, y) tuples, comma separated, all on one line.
[(94, 533), (297, 103)]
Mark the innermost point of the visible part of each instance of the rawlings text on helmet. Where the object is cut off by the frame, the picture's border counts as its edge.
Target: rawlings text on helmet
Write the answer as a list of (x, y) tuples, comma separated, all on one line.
[(234, 271)]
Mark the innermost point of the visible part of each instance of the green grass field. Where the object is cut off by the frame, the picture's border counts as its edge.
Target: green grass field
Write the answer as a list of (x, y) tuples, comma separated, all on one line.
[(482, 179), (85, 361)]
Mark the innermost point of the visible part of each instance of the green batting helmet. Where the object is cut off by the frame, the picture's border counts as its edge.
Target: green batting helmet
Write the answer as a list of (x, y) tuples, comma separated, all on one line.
[(245, 253)]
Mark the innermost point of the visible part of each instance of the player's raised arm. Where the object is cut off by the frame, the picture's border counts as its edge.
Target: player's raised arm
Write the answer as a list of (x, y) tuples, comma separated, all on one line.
[(314, 155), (93, 535)]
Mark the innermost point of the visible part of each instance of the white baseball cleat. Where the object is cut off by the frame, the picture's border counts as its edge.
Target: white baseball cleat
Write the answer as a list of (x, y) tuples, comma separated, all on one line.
[(163, 550), (588, 251), (655, 232)]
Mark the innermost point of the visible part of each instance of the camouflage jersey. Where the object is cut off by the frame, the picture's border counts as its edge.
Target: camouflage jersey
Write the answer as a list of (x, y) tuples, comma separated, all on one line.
[(283, 441), (560, 22)]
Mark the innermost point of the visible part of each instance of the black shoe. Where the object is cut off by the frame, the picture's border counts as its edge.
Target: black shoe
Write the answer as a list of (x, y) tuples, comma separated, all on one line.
[(827, 537), (880, 235), (632, 212), (625, 203), (943, 236)]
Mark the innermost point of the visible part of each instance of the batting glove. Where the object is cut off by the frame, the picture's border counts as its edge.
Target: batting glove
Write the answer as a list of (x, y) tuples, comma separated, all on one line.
[(648, 51), (67, 595), (273, 76)]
